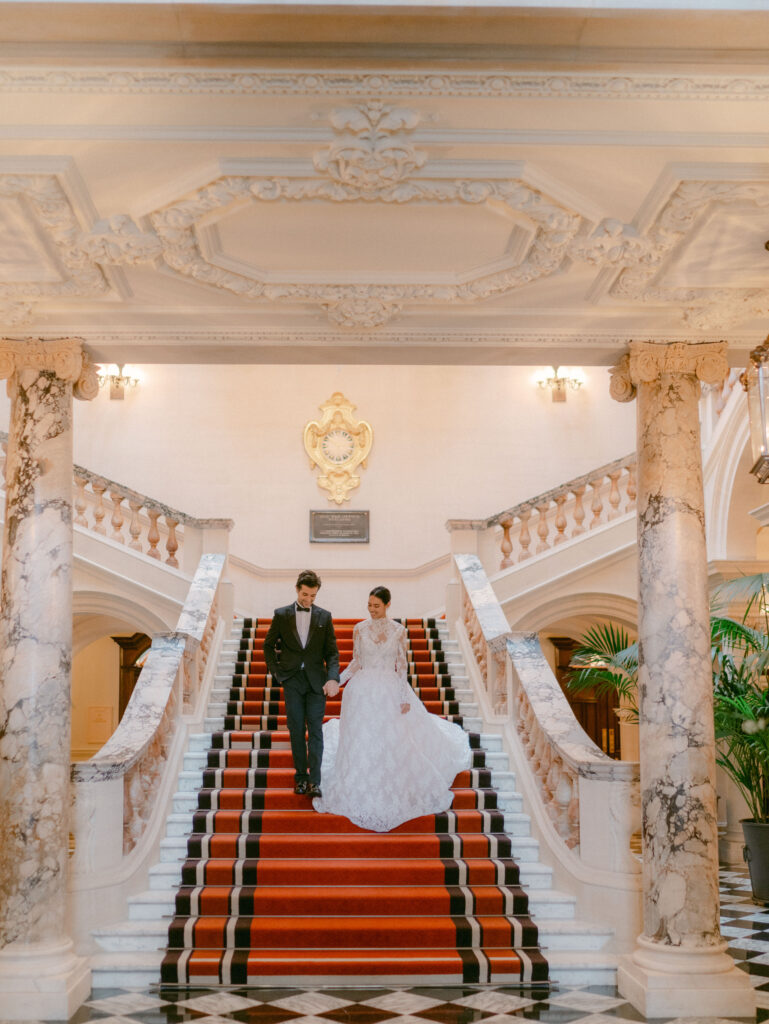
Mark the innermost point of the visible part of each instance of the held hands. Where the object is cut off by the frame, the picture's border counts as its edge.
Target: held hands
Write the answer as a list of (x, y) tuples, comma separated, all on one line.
[(405, 708), (331, 688)]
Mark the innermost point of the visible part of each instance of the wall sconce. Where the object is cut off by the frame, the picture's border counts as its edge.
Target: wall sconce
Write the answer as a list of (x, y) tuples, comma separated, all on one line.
[(559, 379), (755, 381), (119, 378)]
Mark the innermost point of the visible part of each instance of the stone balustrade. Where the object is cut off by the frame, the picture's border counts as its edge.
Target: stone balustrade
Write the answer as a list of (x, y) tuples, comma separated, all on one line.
[(115, 792), (108, 509), (592, 801), (583, 504), (543, 523)]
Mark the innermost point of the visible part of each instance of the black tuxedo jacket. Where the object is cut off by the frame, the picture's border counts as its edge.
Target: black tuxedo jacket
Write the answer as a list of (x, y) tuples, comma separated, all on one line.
[(285, 655)]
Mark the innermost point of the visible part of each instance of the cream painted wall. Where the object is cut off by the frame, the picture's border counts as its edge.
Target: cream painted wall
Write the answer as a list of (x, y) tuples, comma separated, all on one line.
[(448, 441), (95, 684)]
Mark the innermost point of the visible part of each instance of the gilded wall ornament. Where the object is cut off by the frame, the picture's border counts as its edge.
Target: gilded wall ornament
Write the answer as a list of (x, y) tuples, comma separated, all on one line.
[(338, 444)]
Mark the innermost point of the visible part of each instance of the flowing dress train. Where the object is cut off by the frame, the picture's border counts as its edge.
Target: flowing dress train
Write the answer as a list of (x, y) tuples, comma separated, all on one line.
[(382, 767)]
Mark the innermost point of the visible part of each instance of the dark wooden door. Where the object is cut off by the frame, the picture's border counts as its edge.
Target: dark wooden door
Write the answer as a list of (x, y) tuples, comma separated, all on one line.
[(594, 713)]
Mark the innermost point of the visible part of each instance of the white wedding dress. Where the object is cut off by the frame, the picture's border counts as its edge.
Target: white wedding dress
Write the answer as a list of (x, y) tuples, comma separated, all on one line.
[(382, 767)]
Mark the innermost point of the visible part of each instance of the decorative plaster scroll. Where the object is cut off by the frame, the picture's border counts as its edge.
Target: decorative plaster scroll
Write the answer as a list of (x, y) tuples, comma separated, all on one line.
[(614, 243), (371, 153), (119, 240), (64, 357), (364, 310), (491, 84), (646, 361), (367, 304), (52, 214)]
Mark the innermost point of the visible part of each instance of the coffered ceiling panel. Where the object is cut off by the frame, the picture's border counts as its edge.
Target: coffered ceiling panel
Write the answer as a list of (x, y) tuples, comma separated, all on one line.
[(302, 208)]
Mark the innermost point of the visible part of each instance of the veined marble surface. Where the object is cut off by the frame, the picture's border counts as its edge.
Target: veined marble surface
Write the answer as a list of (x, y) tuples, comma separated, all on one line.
[(675, 685), (556, 718), (487, 608), (200, 599), (142, 716), (36, 646)]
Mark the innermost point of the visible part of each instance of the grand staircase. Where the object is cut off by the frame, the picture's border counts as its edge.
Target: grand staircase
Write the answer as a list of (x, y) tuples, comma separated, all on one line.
[(254, 887)]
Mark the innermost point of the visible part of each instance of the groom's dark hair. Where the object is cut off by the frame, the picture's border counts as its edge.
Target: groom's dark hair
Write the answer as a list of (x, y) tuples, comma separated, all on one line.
[(308, 578)]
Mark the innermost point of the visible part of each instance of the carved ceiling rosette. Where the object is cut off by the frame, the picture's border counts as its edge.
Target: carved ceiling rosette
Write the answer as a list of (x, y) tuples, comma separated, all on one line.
[(372, 160)]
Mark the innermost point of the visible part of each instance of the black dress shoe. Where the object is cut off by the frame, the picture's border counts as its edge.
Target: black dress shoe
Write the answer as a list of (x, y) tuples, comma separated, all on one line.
[(313, 790), (301, 787)]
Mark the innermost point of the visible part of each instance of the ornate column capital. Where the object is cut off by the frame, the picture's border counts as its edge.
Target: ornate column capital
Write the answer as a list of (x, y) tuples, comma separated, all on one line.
[(648, 360), (65, 357)]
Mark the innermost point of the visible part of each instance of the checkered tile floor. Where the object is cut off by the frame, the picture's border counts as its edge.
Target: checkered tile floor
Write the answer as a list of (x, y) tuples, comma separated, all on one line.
[(744, 924)]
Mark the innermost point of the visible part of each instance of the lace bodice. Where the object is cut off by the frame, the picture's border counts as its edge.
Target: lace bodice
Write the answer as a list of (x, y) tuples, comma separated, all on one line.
[(381, 645)]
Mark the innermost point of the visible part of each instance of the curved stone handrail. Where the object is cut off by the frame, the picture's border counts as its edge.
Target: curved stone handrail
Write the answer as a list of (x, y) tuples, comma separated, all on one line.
[(555, 716), (134, 757), (592, 801)]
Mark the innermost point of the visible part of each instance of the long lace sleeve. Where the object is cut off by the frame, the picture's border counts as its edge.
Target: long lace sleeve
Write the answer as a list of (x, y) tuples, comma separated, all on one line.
[(354, 665), (402, 667)]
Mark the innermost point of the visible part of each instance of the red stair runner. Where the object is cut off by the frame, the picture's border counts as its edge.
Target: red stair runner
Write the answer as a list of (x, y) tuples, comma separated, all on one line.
[(272, 890)]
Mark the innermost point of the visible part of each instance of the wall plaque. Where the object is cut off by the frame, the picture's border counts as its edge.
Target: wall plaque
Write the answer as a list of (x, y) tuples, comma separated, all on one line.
[(339, 527)]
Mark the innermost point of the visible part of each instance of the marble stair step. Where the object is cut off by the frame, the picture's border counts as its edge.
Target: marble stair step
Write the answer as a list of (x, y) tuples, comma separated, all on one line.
[(179, 823), (148, 935), (186, 800), (582, 967), (125, 970), (160, 902), (572, 935), (490, 742)]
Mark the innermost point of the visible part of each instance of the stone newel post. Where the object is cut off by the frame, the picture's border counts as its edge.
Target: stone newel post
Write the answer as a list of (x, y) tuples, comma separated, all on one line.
[(679, 967), (40, 977)]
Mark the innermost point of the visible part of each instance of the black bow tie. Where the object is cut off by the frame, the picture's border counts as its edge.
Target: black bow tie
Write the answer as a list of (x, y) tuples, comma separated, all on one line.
[(300, 609)]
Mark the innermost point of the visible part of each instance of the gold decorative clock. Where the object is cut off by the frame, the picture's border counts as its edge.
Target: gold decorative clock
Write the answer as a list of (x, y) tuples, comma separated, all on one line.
[(338, 444)]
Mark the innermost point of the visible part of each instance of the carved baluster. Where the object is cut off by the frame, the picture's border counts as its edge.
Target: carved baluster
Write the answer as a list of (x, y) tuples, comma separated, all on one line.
[(117, 516), (80, 502), (542, 527), (614, 494), (507, 545), (153, 535), (172, 544), (597, 505), (560, 519), (99, 512), (135, 526), (579, 511), (524, 537), (562, 796), (630, 488)]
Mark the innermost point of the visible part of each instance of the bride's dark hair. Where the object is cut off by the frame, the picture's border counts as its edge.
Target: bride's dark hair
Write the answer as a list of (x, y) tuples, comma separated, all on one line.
[(382, 593)]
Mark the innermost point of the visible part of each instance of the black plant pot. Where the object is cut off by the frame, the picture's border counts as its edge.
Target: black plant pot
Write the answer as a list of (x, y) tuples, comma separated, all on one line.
[(755, 852)]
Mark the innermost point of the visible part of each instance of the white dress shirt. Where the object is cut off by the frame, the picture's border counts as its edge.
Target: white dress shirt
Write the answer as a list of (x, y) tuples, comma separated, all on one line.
[(303, 625)]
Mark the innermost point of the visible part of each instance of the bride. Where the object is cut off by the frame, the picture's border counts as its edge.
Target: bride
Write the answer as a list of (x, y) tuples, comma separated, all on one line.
[(386, 759)]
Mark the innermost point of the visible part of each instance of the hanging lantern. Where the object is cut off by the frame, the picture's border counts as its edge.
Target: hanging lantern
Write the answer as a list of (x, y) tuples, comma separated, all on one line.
[(755, 381)]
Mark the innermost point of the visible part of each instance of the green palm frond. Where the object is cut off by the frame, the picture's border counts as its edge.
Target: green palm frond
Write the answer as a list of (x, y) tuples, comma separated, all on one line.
[(607, 660)]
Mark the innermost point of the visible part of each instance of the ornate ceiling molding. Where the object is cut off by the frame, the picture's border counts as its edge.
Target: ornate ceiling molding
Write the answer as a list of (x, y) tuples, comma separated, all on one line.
[(47, 210), (372, 160), (371, 153), (640, 259), (119, 240), (504, 85)]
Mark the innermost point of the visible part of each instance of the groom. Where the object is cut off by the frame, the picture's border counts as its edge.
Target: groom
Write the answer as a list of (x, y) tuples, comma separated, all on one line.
[(301, 654)]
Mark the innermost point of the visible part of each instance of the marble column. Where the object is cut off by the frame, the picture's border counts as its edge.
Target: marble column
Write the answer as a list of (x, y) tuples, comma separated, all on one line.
[(40, 977), (679, 967)]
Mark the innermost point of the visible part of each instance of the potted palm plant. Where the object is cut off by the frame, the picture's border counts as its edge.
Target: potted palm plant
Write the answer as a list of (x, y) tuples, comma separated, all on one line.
[(607, 660)]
